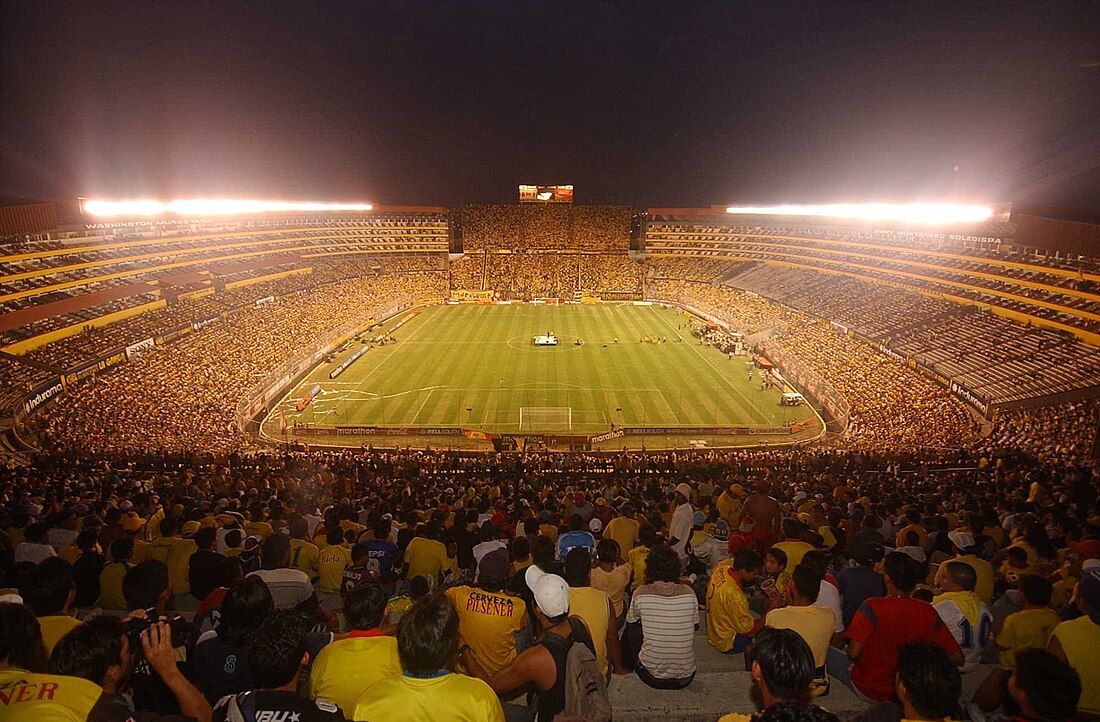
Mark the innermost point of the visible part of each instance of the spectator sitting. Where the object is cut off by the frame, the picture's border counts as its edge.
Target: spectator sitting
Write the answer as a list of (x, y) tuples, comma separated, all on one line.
[(148, 586), (204, 564), (303, 552), (1031, 626), (636, 557), (965, 551), (278, 652), (813, 623), (792, 544), (229, 571), (611, 575), (35, 547), (881, 625), (20, 653), (1044, 687), (221, 656), (290, 588), (86, 569), (576, 537), (968, 619), (730, 623), (49, 591), (343, 670), (100, 652), (1078, 642), (595, 608), (661, 623), (928, 685), (427, 643), (861, 582), (488, 618), (623, 529), (112, 574), (782, 669)]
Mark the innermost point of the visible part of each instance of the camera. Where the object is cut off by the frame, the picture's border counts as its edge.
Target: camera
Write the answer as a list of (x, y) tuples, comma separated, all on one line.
[(134, 628)]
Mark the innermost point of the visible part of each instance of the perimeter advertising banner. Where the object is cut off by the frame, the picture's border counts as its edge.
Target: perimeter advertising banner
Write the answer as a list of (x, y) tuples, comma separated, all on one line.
[(546, 194)]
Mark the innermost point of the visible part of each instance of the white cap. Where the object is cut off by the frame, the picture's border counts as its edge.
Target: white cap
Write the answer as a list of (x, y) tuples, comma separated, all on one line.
[(595, 526), (961, 539), (551, 592), (801, 496), (684, 489)]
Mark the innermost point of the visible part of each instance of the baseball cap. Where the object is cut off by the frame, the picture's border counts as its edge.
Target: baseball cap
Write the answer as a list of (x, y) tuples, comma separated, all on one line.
[(800, 496), (550, 591), (1089, 592), (737, 489), (684, 489), (698, 520), (494, 565), (189, 528), (132, 523), (961, 539), (250, 544), (595, 526)]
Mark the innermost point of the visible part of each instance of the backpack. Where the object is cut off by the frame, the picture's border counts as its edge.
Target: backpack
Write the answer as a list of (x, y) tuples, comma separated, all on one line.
[(585, 687)]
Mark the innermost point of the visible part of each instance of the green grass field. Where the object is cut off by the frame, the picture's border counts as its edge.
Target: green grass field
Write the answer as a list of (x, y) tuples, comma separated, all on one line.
[(475, 366)]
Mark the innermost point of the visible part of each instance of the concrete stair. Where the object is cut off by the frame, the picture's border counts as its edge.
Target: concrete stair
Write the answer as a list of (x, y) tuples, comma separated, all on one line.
[(722, 685)]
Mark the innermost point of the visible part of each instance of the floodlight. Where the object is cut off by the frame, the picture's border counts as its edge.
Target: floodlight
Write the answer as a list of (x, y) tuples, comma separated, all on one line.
[(922, 213)]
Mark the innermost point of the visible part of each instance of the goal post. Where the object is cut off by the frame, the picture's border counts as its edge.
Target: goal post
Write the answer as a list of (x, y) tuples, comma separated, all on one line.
[(545, 418)]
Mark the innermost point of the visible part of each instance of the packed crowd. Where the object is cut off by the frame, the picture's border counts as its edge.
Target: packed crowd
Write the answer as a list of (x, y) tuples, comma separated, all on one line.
[(437, 586), (546, 226), (547, 275), (889, 404), (170, 396)]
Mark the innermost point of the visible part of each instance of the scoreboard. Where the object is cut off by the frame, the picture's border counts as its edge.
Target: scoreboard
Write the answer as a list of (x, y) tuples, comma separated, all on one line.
[(546, 194)]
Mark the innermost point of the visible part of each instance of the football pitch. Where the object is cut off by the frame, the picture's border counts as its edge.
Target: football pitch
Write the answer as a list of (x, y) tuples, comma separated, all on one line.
[(476, 367)]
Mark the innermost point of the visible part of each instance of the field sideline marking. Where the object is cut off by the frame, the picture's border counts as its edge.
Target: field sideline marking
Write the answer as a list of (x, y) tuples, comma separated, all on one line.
[(751, 406)]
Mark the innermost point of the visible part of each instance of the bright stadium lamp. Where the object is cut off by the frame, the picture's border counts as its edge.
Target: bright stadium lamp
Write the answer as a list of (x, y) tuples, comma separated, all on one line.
[(212, 207), (921, 213)]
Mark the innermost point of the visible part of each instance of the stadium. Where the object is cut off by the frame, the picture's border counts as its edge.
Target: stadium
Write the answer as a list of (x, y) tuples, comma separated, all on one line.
[(435, 361), (538, 325)]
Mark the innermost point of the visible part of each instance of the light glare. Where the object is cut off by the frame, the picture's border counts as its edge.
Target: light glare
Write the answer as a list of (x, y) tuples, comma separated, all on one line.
[(923, 213), (211, 207)]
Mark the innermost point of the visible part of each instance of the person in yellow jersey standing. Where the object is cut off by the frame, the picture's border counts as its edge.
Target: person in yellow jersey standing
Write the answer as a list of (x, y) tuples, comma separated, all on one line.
[(429, 690)]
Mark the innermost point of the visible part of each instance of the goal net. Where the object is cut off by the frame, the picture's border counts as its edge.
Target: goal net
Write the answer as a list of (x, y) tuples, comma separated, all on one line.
[(537, 419)]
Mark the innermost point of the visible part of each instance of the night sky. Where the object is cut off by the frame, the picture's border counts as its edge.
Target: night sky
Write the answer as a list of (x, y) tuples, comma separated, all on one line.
[(652, 104)]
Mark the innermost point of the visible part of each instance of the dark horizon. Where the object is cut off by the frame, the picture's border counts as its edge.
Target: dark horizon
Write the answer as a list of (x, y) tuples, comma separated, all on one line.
[(445, 103)]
